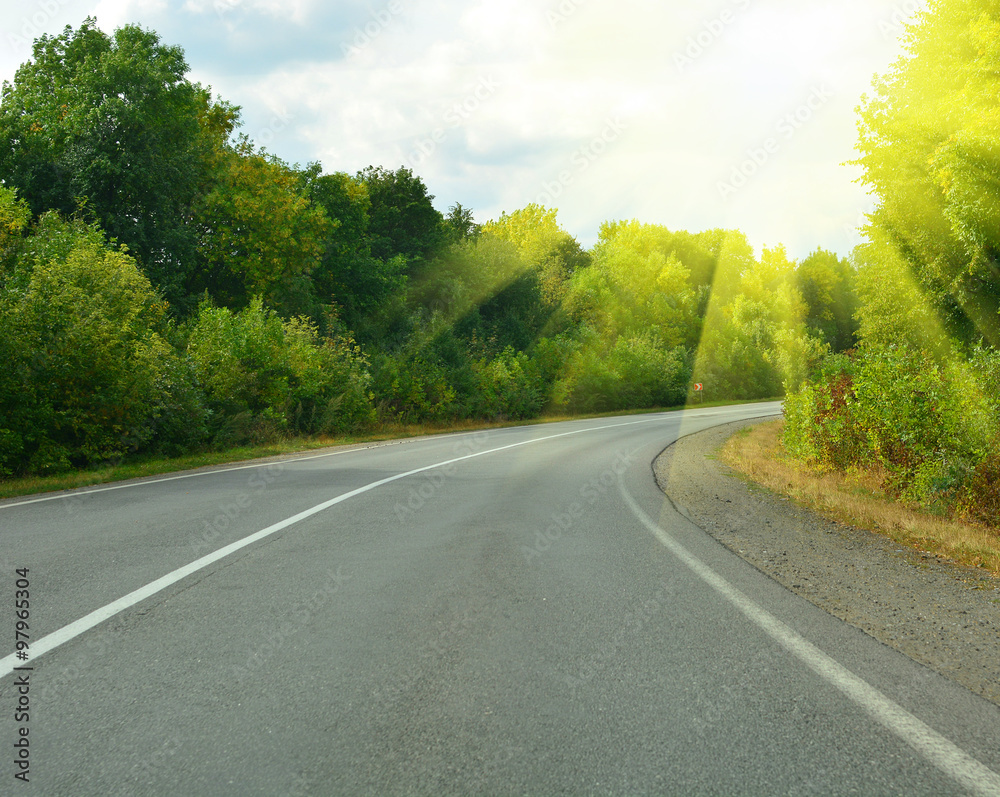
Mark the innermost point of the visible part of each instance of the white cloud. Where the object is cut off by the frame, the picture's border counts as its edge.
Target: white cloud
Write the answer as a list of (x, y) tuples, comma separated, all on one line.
[(497, 102)]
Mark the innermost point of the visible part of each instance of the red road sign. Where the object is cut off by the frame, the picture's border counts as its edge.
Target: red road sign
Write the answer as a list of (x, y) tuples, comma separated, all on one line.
[(697, 386)]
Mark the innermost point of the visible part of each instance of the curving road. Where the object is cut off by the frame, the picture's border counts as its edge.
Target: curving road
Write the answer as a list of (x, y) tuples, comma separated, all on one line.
[(517, 611)]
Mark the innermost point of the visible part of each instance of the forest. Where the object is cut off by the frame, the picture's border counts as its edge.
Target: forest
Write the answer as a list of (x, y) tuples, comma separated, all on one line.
[(918, 397), (167, 285)]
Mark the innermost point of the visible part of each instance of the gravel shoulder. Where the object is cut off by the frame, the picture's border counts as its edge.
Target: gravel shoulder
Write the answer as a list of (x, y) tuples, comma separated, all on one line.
[(942, 615)]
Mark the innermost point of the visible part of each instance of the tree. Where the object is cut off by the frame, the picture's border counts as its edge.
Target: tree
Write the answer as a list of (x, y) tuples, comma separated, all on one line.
[(635, 284), (349, 276), (927, 138), (111, 123), (402, 220), (826, 283), (460, 224), (87, 372), (14, 218), (543, 245), (257, 233)]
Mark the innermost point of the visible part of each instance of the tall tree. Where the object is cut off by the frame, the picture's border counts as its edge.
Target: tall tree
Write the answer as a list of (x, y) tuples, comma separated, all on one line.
[(403, 220), (928, 143), (543, 245), (113, 124), (259, 235), (349, 276), (827, 285)]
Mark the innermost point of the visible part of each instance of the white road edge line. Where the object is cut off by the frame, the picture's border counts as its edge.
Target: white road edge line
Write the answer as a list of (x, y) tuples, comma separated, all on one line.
[(85, 623), (939, 751), (291, 460)]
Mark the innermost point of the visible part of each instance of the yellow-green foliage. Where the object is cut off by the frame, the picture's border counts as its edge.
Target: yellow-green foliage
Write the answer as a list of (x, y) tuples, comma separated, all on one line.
[(87, 371), (929, 148), (913, 401), (932, 428), (262, 376)]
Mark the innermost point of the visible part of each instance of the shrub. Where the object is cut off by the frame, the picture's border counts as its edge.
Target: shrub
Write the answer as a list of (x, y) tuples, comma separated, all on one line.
[(636, 372), (87, 371), (264, 377), (931, 426), (507, 387), (411, 388)]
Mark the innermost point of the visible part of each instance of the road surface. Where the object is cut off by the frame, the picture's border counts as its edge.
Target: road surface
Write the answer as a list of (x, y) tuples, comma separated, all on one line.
[(517, 611)]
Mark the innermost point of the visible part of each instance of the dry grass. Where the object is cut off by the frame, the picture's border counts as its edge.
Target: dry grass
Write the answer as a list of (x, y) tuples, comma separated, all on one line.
[(858, 499)]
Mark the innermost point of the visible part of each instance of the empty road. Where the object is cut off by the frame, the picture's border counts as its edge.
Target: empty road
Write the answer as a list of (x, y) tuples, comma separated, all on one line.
[(518, 611)]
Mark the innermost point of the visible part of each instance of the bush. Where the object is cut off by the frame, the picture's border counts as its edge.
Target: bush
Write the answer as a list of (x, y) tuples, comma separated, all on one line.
[(86, 373), (931, 426), (263, 377), (634, 373), (507, 387), (411, 388)]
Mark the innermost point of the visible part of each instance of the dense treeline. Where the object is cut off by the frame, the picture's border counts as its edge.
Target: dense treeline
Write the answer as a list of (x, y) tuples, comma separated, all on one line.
[(166, 285), (920, 398)]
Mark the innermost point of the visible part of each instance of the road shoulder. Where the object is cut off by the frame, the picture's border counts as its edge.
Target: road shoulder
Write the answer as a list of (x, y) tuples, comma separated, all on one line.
[(941, 615)]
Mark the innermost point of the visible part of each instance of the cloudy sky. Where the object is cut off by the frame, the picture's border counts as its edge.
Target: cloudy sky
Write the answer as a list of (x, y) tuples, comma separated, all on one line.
[(721, 113)]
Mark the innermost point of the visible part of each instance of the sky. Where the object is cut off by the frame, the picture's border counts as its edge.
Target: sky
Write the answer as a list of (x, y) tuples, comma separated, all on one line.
[(738, 114)]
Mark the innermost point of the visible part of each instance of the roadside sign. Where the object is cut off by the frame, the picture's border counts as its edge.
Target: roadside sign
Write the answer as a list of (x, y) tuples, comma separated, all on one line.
[(698, 386)]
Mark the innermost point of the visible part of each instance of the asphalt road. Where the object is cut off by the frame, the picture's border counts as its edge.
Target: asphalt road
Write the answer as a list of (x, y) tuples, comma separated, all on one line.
[(511, 612)]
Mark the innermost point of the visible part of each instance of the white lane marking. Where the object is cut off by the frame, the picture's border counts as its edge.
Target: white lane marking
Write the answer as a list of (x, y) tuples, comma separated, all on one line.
[(939, 751), (85, 623), (90, 490)]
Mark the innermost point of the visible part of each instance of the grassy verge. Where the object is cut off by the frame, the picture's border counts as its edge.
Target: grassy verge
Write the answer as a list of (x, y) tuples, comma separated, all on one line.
[(858, 499), (140, 467)]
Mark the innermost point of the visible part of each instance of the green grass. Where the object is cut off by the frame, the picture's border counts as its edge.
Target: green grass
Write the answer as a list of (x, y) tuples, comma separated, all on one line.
[(145, 466)]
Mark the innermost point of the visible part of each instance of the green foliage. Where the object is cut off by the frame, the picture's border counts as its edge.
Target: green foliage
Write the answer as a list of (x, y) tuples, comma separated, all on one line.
[(635, 283), (263, 377), (931, 427), (633, 373), (258, 234), (272, 272), (483, 290), (460, 224), (826, 283), (508, 387), (552, 253), (755, 342), (14, 219), (89, 377), (412, 388), (927, 138), (402, 218), (112, 121), (349, 277)]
